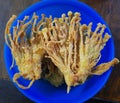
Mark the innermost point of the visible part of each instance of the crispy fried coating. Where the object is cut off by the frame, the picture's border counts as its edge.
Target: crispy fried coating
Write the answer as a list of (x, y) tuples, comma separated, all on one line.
[(27, 52), (75, 49), (72, 49)]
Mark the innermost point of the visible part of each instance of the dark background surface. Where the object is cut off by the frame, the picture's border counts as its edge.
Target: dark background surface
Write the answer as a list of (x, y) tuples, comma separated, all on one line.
[(108, 9)]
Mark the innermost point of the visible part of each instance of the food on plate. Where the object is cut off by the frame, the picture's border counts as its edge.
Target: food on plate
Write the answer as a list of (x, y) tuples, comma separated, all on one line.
[(57, 49), (75, 49), (26, 51)]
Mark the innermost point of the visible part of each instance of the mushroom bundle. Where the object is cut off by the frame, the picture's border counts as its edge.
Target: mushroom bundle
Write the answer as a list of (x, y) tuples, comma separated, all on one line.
[(57, 49)]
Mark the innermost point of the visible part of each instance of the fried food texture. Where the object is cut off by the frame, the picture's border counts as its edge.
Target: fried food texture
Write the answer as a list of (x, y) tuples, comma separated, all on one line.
[(73, 49), (26, 51)]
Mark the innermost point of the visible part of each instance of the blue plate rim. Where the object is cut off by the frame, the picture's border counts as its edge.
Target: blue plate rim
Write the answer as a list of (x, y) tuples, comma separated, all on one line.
[(43, 3)]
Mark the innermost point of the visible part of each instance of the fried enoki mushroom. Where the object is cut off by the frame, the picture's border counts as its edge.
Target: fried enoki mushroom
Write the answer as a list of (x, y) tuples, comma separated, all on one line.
[(26, 48), (75, 49)]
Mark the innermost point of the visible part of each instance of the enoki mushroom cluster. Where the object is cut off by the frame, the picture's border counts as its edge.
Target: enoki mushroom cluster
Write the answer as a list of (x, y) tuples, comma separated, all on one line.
[(56, 49)]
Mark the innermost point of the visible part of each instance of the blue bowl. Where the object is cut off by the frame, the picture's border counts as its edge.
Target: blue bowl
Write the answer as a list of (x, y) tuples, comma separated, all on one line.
[(43, 92)]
